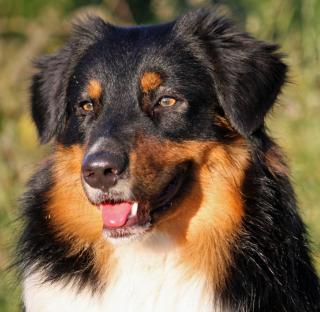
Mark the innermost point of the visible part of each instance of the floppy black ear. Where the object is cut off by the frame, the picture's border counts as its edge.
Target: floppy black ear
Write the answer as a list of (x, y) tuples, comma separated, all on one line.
[(49, 84), (48, 105), (248, 73)]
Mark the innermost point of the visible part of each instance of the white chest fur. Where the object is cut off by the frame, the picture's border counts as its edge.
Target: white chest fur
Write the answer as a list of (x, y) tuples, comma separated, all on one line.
[(143, 280)]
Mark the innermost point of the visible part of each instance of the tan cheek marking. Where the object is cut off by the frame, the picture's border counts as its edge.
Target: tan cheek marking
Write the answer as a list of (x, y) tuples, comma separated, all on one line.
[(207, 219), (150, 81), (211, 213), (94, 89), (218, 211), (224, 123), (73, 218)]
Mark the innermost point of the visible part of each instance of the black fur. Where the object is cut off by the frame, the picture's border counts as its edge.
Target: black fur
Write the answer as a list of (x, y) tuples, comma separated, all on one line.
[(39, 244), (272, 264), (248, 73), (49, 105), (218, 71)]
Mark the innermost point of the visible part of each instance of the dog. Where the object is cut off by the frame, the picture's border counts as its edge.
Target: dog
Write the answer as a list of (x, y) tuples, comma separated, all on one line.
[(163, 191)]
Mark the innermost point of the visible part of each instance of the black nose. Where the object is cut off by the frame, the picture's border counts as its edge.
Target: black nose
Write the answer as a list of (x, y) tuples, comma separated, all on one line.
[(102, 169)]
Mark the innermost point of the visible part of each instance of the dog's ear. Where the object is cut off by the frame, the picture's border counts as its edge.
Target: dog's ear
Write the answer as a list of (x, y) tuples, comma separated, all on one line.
[(49, 84), (48, 90), (248, 73)]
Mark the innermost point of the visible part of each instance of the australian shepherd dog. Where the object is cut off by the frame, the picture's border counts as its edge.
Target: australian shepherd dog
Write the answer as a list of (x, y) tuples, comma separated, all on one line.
[(163, 191)]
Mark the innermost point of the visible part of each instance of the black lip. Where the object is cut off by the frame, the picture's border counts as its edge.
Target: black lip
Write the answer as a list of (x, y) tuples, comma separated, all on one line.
[(127, 232), (164, 201)]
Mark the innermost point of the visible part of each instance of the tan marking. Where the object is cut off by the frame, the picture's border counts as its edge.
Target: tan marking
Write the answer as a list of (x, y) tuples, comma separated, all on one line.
[(73, 218), (218, 212), (275, 161), (224, 123), (207, 219), (204, 222), (150, 81), (94, 89)]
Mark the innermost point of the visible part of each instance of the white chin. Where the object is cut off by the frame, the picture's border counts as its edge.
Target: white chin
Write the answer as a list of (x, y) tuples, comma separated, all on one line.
[(121, 237)]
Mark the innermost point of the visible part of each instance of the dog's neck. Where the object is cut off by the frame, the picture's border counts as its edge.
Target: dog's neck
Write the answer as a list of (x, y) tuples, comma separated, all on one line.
[(152, 270), (146, 276)]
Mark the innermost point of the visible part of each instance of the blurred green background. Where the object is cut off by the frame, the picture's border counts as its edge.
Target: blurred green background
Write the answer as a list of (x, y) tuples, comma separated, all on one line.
[(34, 27)]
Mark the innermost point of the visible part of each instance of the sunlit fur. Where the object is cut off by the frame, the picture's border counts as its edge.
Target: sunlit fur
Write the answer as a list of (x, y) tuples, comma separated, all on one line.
[(210, 210), (94, 90), (229, 238), (150, 81), (186, 254)]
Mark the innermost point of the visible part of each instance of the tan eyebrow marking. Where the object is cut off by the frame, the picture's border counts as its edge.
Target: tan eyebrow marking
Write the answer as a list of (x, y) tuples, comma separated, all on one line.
[(150, 81), (94, 89)]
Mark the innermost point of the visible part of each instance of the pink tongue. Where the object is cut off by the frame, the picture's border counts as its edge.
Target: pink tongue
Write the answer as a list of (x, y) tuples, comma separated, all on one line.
[(115, 215)]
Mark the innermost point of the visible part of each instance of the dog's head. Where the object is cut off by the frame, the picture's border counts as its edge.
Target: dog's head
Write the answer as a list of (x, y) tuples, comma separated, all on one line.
[(147, 118)]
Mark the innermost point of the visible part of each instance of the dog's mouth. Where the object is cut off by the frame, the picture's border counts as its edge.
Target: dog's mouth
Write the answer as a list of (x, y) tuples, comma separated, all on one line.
[(129, 219)]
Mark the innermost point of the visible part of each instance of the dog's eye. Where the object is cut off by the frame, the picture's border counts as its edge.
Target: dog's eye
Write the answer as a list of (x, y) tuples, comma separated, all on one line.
[(167, 101), (87, 106)]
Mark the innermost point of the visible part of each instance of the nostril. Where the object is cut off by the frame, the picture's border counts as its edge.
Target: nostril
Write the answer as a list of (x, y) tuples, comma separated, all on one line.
[(109, 171), (88, 173)]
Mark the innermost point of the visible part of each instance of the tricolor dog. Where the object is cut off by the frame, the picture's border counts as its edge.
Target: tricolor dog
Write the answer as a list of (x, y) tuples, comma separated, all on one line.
[(163, 191)]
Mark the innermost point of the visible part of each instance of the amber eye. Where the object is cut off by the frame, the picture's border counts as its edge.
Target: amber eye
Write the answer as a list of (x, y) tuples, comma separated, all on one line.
[(167, 101), (87, 106)]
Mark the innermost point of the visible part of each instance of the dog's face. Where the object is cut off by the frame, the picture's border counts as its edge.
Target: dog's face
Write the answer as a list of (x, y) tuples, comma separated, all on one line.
[(141, 111)]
